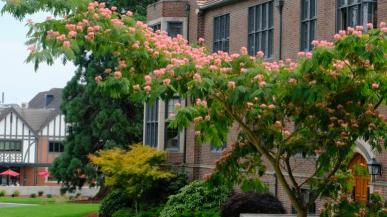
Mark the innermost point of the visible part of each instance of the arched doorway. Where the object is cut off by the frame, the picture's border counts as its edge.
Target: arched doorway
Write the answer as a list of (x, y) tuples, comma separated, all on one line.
[(358, 166)]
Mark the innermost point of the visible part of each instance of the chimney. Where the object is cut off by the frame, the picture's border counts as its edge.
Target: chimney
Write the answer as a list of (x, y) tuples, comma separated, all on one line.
[(2, 98)]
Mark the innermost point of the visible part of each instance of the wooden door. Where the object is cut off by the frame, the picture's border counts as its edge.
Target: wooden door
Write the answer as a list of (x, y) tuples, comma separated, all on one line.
[(360, 189)]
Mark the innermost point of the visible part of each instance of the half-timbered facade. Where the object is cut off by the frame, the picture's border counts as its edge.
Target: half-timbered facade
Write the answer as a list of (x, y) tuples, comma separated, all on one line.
[(31, 138)]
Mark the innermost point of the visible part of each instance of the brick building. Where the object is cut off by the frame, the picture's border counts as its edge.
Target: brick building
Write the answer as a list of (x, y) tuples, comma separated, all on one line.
[(279, 28), (31, 138)]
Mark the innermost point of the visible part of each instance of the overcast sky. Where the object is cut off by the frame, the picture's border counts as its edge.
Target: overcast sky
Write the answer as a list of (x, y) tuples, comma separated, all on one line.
[(18, 80)]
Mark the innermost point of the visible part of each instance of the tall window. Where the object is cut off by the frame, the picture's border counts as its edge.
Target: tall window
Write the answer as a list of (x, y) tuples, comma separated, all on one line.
[(151, 124), (222, 33), (307, 194), (55, 147), (260, 29), (10, 145), (308, 24), (175, 28), (355, 12), (171, 134)]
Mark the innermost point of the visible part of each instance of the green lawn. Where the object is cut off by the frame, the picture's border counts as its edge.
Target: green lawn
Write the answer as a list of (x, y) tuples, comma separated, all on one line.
[(45, 207)]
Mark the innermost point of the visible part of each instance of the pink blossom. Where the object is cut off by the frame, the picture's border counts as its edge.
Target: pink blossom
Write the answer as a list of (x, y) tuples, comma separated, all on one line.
[(66, 44), (231, 85), (201, 40), (29, 21), (337, 36), (292, 81), (262, 84), (117, 74), (148, 79), (375, 86), (301, 54), (260, 54), (72, 34), (370, 26), (384, 29), (49, 18), (114, 8), (197, 77), (98, 78), (167, 82), (382, 24), (243, 50), (308, 55), (136, 45), (147, 88), (129, 13)]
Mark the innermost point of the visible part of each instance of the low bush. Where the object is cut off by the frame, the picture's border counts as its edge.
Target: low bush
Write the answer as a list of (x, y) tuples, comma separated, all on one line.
[(40, 193), (33, 195), (2, 193), (114, 201), (251, 202), (144, 212), (63, 191), (198, 198), (49, 195), (16, 193)]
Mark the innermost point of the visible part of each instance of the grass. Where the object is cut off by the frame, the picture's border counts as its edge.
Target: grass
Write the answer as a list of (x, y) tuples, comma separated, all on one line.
[(45, 207)]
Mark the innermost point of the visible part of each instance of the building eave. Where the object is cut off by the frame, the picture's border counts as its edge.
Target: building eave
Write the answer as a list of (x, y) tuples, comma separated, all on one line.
[(216, 4)]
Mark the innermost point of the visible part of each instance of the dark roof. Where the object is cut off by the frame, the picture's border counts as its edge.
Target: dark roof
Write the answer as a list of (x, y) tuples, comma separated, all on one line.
[(36, 118), (39, 101)]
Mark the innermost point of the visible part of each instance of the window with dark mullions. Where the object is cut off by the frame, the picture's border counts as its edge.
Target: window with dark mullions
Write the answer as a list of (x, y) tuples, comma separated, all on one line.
[(260, 27), (151, 124), (352, 13), (222, 33), (308, 24), (172, 137), (174, 29), (10, 145), (55, 147)]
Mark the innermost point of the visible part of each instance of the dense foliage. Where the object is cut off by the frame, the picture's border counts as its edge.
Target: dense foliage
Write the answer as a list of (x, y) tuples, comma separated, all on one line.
[(134, 171), (251, 202), (197, 197), (113, 202), (317, 107), (343, 206)]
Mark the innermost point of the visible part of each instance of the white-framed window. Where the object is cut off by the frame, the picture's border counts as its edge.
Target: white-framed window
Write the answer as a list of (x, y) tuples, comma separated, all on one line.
[(217, 149), (55, 147), (151, 124), (174, 28), (10, 145), (171, 135)]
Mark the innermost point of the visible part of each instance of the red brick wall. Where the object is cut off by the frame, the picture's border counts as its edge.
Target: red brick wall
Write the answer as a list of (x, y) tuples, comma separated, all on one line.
[(167, 8)]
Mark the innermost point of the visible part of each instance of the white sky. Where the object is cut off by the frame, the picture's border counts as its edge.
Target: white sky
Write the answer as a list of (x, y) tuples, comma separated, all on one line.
[(18, 80)]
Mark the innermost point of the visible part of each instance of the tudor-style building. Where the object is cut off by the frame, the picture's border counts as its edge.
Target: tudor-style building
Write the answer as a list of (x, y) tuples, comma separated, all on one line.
[(280, 28), (31, 138)]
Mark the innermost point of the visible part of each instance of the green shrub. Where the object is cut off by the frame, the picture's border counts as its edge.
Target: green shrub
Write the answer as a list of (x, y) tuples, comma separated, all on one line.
[(16, 193), (63, 191), (49, 195), (113, 202), (33, 195), (78, 195), (2, 193), (198, 198), (40, 193), (148, 211)]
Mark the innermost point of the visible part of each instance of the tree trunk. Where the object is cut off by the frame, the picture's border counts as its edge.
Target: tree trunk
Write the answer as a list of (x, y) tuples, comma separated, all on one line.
[(103, 191), (297, 204)]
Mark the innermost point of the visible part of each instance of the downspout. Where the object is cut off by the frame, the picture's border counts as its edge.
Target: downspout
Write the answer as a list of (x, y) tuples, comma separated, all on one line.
[(280, 6), (187, 10)]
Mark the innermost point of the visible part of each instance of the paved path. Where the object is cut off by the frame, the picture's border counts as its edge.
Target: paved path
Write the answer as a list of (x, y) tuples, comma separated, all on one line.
[(6, 205)]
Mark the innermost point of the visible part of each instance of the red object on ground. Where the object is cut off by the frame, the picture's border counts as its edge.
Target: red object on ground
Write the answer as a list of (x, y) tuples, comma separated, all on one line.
[(44, 173), (10, 173)]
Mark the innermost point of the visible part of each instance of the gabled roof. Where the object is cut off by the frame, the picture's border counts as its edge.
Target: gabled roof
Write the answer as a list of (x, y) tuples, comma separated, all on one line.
[(39, 101), (37, 118)]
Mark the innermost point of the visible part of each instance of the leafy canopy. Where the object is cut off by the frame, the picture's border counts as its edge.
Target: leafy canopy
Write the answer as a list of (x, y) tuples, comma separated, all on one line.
[(134, 170), (317, 107)]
